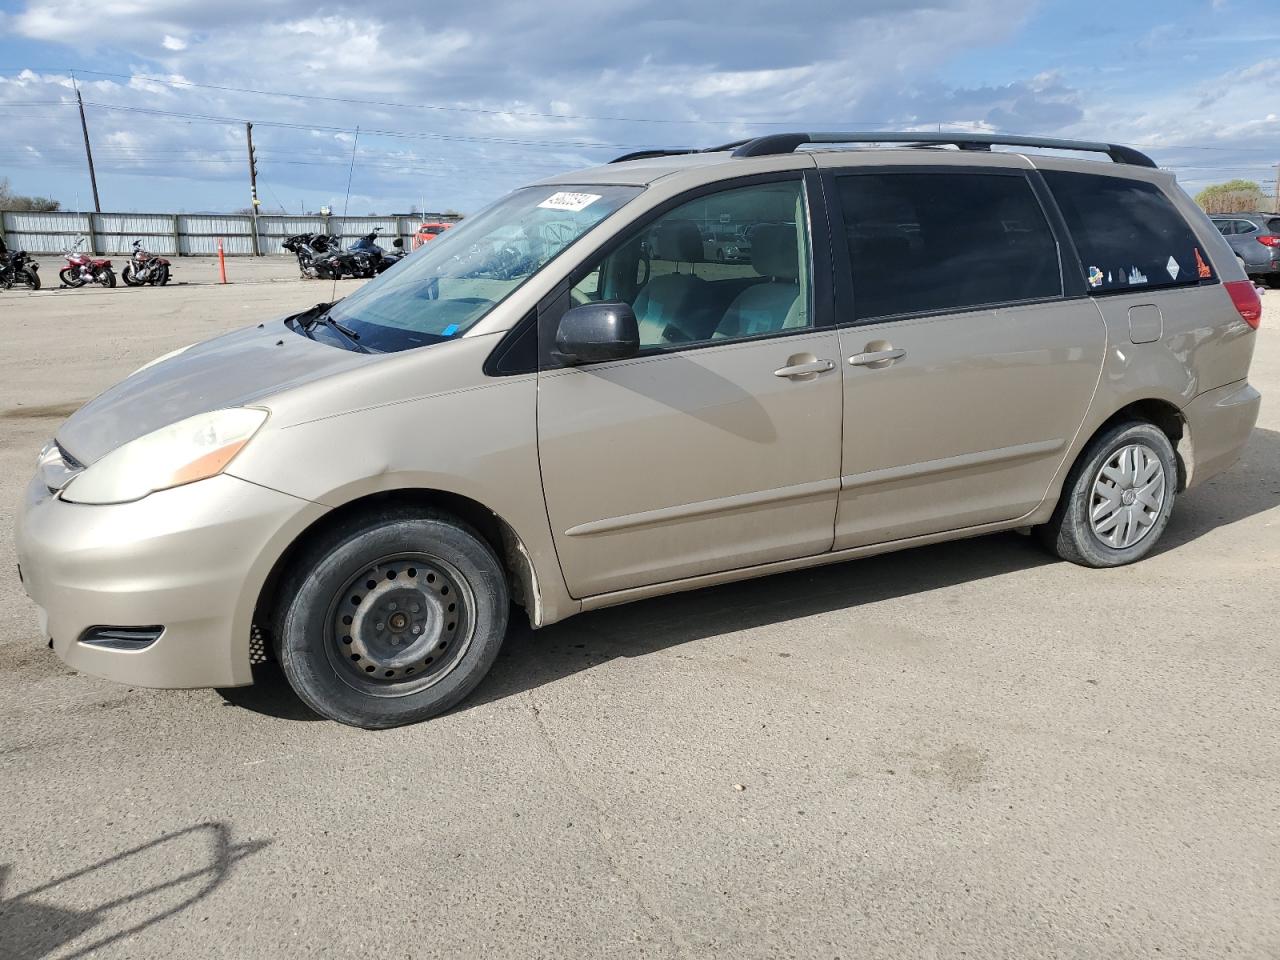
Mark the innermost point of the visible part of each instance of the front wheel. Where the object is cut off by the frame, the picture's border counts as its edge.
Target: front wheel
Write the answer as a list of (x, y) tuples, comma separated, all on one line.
[(392, 618), (128, 277), (1117, 499), (71, 277)]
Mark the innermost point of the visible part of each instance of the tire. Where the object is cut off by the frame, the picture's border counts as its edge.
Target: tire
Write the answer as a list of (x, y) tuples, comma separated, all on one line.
[(71, 278), (106, 277), (162, 277), (31, 278), (436, 577), (1273, 281), (127, 276), (1128, 525)]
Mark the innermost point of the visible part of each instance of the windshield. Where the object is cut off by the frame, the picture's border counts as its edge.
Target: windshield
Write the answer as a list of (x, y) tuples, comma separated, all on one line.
[(448, 285)]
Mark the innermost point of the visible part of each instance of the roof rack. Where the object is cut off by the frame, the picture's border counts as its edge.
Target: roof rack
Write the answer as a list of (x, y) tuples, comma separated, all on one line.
[(777, 143), (679, 151)]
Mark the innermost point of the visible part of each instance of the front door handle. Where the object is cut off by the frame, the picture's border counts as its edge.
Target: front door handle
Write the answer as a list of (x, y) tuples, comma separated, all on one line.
[(807, 368), (875, 358)]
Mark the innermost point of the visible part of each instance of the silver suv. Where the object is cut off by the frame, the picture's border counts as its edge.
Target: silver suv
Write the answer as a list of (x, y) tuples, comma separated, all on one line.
[(560, 404)]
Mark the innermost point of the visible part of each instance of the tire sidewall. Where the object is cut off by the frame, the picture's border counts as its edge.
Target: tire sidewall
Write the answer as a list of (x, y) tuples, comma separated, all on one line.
[(1093, 551), (303, 628)]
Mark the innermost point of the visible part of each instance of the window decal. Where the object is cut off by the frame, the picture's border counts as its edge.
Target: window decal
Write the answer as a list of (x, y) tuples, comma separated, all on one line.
[(1173, 268)]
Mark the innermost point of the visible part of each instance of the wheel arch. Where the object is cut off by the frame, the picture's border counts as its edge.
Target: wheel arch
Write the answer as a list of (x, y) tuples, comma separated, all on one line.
[(494, 529), (1170, 421)]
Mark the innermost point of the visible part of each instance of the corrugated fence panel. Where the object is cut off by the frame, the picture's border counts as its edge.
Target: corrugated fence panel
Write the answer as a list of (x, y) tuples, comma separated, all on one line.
[(44, 232), (198, 234), (114, 233)]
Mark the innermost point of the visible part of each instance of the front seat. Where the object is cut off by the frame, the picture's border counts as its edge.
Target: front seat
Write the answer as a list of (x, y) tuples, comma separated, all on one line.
[(776, 304), (667, 307)]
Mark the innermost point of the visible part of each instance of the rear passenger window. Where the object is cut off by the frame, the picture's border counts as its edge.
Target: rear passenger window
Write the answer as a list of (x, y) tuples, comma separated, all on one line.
[(1128, 233), (929, 242)]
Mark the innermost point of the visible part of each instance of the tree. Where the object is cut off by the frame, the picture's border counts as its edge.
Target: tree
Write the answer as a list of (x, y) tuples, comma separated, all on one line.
[(16, 201), (1234, 196)]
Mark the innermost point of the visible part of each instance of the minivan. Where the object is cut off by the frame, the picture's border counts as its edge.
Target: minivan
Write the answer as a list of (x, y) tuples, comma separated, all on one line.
[(560, 405)]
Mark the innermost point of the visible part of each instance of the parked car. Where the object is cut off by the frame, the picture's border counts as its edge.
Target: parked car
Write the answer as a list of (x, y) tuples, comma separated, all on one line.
[(1255, 238), (931, 344), (428, 232)]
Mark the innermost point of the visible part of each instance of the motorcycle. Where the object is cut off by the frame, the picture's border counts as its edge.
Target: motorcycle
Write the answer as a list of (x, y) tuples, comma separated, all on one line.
[(17, 267), (310, 248), (144, 267), (364, 258), (82, 268)]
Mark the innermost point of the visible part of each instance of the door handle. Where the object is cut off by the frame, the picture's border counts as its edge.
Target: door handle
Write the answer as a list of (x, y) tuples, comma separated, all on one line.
[(806, 369), (882, 357)]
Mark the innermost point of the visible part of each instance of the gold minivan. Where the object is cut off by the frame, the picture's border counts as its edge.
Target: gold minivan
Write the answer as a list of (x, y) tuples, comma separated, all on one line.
[(571, 401)]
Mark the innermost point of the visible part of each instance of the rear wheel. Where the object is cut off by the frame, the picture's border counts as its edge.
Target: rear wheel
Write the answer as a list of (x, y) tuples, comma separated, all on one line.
[(1117, 499), (106, 276), (1273, 281), (391, 619), (31, 278)]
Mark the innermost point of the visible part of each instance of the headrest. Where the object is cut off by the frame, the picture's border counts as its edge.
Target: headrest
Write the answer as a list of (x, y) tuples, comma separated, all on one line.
[(678, 240), (773, 251)]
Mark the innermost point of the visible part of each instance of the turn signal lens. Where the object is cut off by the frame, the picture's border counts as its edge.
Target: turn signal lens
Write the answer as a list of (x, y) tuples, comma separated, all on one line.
[(1245, 296)]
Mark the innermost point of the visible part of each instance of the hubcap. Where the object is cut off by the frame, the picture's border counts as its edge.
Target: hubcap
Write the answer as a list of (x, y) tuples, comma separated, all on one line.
[(400, 625), (1128, 495)]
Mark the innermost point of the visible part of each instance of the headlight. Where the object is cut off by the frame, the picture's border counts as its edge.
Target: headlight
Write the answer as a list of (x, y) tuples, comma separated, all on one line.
[(183, 452), (163, 357)]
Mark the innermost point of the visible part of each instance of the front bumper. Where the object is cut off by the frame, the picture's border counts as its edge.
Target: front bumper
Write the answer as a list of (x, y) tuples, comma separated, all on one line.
[(1220, 422), (192, 559)]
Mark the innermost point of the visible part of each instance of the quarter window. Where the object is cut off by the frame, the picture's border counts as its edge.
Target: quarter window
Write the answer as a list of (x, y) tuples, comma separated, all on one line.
[(728, 265), (933, 242), (1128, 233)]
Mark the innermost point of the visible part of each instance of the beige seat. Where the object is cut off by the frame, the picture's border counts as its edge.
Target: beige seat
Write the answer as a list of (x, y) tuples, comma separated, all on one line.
[(669, 304), (776, 304)]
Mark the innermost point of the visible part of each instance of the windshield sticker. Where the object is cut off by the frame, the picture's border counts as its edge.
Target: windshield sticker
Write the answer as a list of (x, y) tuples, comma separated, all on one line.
[(572, 202), (1173, 268), (1137, 276), (450, 330), (1202, 268), (1095, 277), (1109, 276)]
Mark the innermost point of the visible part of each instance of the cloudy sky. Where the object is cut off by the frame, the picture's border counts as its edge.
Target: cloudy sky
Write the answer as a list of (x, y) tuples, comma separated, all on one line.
[(458, 103)]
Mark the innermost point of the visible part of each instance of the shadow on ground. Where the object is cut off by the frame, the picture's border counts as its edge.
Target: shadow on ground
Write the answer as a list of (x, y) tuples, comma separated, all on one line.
[(530, 659), (157, 880)]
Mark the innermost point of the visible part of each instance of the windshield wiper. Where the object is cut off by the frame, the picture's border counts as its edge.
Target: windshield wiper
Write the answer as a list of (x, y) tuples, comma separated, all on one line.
[(318, 314)]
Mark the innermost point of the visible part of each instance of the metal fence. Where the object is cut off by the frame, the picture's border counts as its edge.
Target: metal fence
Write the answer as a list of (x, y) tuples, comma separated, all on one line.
[(189, 234)]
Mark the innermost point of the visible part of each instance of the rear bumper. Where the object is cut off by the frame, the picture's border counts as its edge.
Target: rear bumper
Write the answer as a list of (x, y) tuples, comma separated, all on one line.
[(1220, 422), (190, 560)]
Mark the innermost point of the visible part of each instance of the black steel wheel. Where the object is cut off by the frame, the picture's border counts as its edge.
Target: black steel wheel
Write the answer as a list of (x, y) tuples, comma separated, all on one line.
[(391, 617)]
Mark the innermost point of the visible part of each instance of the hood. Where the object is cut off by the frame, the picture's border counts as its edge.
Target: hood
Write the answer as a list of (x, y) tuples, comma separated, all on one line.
[(229, 371)]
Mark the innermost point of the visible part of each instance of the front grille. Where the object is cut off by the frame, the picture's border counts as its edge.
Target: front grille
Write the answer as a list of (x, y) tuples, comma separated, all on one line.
[(121, 638)]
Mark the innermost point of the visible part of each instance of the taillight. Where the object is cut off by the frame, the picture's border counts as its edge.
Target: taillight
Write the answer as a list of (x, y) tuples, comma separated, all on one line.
[(1269, 241), (1245, 296)]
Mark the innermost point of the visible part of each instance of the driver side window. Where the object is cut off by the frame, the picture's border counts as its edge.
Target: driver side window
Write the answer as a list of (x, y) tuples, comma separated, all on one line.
[(727, 265)]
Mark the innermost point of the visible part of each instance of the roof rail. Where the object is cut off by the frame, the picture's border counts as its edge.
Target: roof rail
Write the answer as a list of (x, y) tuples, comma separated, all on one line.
[(679, 151), (776, 143)]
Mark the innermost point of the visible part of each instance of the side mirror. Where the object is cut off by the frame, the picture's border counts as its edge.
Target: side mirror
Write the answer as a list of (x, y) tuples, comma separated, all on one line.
[(594, 332)]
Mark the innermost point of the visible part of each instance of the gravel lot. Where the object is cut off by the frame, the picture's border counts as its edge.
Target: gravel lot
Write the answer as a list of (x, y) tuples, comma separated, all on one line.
[(961, 750)]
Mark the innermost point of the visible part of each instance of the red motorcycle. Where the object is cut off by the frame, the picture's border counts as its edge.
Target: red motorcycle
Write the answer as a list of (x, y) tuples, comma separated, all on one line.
[(145, 267), (82, 268)]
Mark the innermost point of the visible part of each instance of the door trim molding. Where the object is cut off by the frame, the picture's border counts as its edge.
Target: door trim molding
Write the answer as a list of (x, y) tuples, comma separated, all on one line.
[(704, 508), (1021, 451)]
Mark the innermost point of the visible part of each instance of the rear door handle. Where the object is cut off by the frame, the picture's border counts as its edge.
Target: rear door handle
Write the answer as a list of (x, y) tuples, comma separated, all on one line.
[(877, 356), (806, 369)]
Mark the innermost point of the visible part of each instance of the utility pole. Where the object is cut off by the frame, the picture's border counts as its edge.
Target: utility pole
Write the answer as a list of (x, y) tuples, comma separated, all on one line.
[(1276, 200), (88, 152), (253, 185)]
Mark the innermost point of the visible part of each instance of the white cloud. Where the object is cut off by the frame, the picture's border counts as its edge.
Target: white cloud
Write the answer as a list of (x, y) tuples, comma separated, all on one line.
[(171, 42)]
